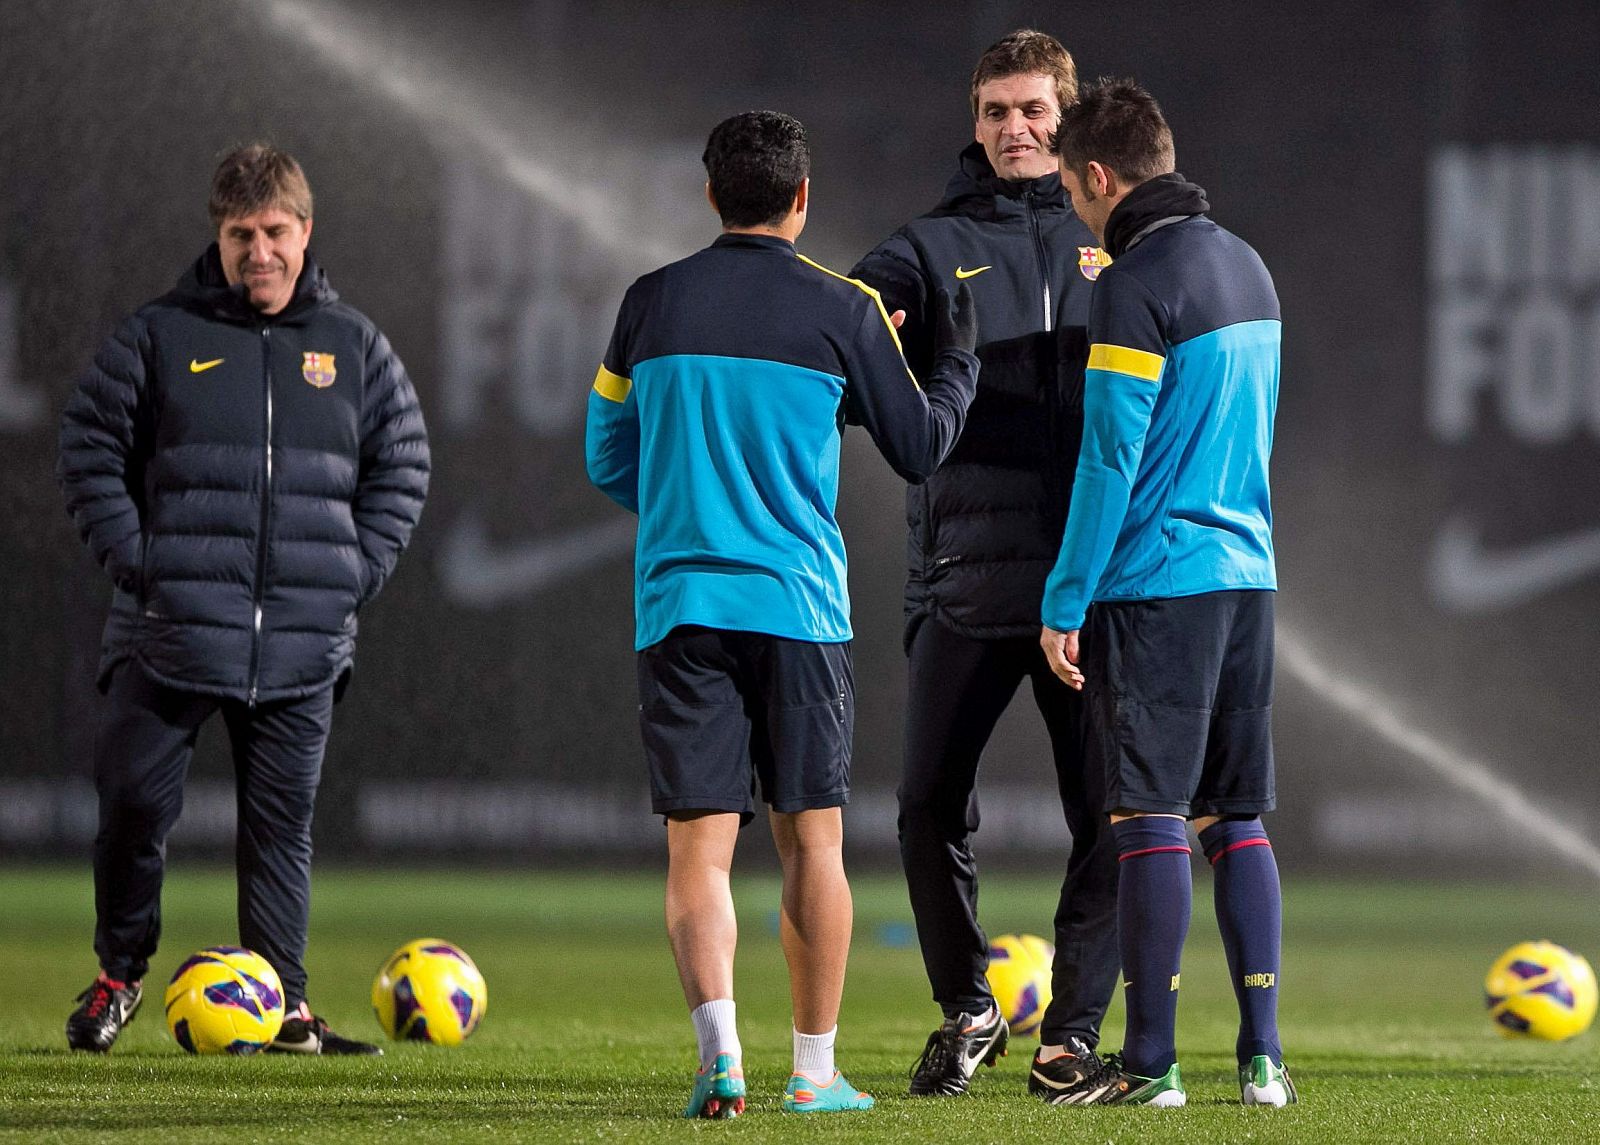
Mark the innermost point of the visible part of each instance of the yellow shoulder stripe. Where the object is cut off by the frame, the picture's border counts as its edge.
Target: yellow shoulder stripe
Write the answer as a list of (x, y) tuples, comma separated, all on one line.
[(871, 293), (1126, 360), (612, 387)]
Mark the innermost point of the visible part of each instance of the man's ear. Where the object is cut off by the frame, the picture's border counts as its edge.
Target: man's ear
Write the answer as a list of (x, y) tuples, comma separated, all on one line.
[(712, 199), (1102, 179), (802, 197)]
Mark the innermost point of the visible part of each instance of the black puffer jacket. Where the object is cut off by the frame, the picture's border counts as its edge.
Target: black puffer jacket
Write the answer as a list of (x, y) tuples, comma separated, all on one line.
[(238, 568), (985, 530)]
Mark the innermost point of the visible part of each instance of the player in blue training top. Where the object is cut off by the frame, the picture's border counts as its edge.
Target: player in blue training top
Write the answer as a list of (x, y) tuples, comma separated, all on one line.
[(1166, 572), (717, 416)]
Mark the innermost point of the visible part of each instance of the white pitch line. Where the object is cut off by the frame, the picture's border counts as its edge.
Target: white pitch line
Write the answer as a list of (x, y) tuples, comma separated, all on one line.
[(1471, 775)]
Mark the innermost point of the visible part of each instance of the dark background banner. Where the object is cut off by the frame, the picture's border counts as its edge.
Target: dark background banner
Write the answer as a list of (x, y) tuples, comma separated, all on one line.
[(1423, 180)]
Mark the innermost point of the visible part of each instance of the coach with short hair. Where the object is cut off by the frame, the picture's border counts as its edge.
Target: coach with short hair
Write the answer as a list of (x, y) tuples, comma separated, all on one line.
[(1166, 576), (983, 534), (246, 459)]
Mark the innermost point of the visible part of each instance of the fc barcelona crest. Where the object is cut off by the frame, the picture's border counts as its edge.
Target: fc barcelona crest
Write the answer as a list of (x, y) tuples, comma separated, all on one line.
[(1091, 261), (318, 369)]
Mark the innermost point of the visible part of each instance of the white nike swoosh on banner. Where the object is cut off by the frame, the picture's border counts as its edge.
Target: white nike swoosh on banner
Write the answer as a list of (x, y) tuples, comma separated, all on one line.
[(1466, 577), (476, 573)]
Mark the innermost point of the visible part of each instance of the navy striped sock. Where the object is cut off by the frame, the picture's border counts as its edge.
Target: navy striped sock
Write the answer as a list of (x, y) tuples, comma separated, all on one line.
[(1153, 893), (1250, 915)]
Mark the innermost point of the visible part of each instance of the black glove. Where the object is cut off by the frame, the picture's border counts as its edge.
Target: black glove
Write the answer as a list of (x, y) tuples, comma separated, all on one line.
[(957, 325)]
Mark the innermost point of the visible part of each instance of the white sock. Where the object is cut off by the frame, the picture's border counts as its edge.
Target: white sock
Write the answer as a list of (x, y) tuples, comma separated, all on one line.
[(813, 1054), (714, 1030)]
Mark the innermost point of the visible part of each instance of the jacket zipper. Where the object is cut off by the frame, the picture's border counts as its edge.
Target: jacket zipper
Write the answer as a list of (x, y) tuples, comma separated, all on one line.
[(1052, 392), (266, 512), (1039, 252)]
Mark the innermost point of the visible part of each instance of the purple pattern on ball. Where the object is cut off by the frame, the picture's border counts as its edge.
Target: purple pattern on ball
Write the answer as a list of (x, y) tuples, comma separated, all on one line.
[(192, 961), (1525, 969), (234, 994), (269, 998), (999, 953), (462, 1001), (1558, 990), (1513, 1021), (180, 1030), (405, 1007), (447, 951), (1027, 1002)]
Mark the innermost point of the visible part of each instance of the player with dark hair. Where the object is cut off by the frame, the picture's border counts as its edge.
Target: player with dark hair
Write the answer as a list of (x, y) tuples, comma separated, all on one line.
[(246, 459), (716, 416), (984, 532), (1161, 605)]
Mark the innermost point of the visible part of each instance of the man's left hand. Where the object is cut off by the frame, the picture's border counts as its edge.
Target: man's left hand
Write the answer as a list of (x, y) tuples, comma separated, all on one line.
[(1061, 649)]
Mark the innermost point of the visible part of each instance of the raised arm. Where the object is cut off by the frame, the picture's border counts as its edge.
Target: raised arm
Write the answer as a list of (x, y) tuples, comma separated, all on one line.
[(893, 269), (914, 427)]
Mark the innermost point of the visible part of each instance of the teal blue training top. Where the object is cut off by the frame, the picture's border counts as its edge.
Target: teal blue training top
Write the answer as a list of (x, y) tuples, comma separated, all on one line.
[(717, 414), (1171, 496)]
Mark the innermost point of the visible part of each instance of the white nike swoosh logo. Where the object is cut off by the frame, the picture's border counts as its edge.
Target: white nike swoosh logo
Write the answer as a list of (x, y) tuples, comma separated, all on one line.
[(1466, 577), (1084, 1098), (475, 572)]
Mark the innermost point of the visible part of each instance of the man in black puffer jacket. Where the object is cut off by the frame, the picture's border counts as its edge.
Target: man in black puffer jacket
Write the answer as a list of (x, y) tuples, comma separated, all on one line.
[(984, 533), (246, 459)]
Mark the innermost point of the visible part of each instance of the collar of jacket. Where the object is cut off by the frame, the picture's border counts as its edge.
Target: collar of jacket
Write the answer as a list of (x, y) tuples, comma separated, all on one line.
[(743, 240), (975, 188), (1151, 205), (206, 288)]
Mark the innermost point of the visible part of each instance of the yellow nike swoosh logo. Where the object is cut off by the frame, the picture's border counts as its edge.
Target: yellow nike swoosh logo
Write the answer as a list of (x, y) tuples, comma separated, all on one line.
[(201, 367), (960, 273)]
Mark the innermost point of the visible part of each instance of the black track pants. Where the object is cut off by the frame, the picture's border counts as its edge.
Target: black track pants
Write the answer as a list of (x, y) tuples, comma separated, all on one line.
[(958, 687), (143, 746)]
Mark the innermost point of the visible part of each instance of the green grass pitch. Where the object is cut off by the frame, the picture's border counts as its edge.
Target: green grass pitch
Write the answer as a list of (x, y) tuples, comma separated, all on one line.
[(587, 1039)]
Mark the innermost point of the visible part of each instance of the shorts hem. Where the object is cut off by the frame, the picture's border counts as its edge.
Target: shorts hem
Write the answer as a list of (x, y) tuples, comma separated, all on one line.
[(1194, 809), (666, 807), (812, 802), (1233, 807), (1148, 806)]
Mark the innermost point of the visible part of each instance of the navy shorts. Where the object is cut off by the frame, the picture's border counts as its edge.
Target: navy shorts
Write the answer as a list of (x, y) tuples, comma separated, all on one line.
[(722, 711), (1179, 702)]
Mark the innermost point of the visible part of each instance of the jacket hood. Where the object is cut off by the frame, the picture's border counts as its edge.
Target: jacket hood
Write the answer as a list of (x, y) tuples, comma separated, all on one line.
[(1152, 204), (975, 189), (204, 287)]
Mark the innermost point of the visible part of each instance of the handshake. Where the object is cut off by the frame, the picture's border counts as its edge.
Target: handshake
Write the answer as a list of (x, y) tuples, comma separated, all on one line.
[(955, 322)]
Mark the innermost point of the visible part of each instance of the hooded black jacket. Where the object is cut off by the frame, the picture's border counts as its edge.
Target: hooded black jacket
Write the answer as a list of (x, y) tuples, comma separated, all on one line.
[(238, 568), (985, 530)]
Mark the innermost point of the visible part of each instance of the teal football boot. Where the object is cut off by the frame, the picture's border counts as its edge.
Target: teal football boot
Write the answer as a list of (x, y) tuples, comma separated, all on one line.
[(803, 1095), (718, 1090)]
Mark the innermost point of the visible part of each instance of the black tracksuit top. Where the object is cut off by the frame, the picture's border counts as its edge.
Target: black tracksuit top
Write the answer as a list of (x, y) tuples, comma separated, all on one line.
[(985, 530)]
